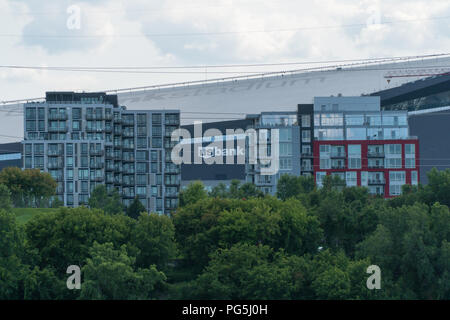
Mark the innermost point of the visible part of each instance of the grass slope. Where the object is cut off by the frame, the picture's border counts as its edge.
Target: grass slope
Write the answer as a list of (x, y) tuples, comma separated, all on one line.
[(25, 214)]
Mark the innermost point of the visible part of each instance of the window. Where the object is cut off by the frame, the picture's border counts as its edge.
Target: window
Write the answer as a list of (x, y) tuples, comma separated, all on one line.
[(76, 113), (31, 113), (156, 118), (393, 163), (286, 134), (141, 191), (141, 155), (142, 142), (364, 178), (141, 179), (325, 163), (156, 142), (69, 162), (306, 136), (414, 178), (31, 125), (396, 180), (356, 134), (354, 156), (394, 149), (410, 163), (41, 125), (306, 149), (319, 178), (285, 149), (350, 178), (69, 186), (286, 164), (156, 131), (141, 167), (410, 149), (306, 121)]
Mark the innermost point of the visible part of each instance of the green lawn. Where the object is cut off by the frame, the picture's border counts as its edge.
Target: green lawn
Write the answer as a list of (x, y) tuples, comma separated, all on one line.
[(25, 214)]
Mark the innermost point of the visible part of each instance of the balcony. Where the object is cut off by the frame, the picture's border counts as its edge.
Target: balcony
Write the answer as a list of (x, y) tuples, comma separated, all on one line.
[(337, 166), (58, 129), (128, 159), (307, 168), (338, 155), (93, 152), (172, 170), (55, 153), (307, 155), (93, 129), (108, 116), (377, 182), (97, 165), (375, 166), (127, 133), (128, 146), (94, 117), (127, 122), (375, 154), (57, 116), (172, 122), (55, 165), (97, 179)]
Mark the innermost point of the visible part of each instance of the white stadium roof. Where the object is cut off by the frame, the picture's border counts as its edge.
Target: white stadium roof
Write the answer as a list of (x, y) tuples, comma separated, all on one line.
[(231, 98)]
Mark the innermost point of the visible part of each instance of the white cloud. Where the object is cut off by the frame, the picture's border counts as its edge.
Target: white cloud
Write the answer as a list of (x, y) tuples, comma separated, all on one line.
[(319, 37)]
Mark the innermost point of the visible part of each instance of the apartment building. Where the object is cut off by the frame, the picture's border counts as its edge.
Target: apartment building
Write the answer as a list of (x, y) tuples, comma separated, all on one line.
[(288, 148), (87, 139), (350, 137)]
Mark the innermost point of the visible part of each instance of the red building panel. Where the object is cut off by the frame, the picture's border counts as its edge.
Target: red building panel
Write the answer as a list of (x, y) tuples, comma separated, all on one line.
[(364, 159)]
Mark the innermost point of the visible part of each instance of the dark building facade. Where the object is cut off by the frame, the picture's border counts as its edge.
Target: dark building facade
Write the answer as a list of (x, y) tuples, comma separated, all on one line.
[(10, 155)]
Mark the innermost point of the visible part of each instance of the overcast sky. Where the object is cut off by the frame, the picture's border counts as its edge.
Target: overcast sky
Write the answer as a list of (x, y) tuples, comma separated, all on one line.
[(201, 32)]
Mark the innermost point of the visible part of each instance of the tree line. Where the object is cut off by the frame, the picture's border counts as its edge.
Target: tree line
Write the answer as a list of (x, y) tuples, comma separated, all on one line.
[(237, 243)]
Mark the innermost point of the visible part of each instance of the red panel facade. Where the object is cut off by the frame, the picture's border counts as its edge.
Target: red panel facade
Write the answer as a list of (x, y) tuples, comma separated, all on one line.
[(364, 159)]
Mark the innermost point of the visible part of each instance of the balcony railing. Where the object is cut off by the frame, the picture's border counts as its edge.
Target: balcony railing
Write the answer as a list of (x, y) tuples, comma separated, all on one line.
[(337, 166), (375, 154), (375, 166), (307, 168), (55, 165), (96, 152), (55, 152), (377, 181), (57, 116), (97, 165), (94, 117), (338, 155)]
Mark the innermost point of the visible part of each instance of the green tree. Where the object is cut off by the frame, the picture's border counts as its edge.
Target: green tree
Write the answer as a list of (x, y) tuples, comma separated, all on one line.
[(63, 238), (5, 198), (135, 209), (245, 272), (12, 270), (110, 274), (29, 187), (291, 186), (109, 202), (154, 236), (194, 192)]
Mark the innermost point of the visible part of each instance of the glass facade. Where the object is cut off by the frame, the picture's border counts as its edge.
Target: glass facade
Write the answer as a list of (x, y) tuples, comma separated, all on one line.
[(90, 142)]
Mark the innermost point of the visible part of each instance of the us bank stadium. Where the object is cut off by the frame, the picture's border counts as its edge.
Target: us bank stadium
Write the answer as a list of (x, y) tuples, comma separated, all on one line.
[(419, 85)]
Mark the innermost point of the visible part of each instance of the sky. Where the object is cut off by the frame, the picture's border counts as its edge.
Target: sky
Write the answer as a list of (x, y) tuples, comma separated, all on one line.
[(100, 33)]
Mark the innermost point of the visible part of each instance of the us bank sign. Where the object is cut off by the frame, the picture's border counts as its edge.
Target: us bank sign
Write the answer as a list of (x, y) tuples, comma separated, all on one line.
[(257, 147)]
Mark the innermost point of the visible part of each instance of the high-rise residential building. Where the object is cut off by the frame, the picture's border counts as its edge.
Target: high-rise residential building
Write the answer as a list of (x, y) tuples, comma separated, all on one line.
[(350, 137), (288, 148), (87, 139)]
